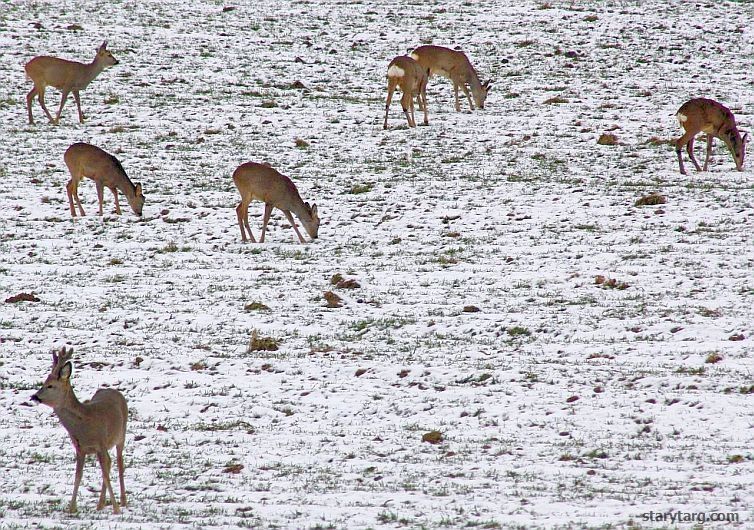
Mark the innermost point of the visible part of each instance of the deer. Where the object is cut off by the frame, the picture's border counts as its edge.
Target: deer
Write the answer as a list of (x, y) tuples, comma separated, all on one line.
[(275, 190), (406, 73), (94, 426), (717, 121), (66, 76), (454, 65), (86, 160)]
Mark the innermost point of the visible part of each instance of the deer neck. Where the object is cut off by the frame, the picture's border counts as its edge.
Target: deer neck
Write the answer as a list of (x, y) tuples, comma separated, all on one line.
[(473, 80), (127, 187), (70, 412), (300, 210), (92, 70), (732, 139), (122, 182)]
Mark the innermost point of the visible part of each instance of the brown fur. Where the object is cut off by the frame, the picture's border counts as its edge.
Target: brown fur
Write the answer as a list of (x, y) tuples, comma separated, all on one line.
[(407, 74), (67, 76), (454, 65), (86, 160), (716, 121), (263, 183), (94, 426)]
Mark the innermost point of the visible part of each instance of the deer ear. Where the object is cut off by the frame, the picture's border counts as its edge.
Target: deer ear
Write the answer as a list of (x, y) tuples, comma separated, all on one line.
[(104, 46), (745, 138), (138, 188), (314, 210), (65, 372)]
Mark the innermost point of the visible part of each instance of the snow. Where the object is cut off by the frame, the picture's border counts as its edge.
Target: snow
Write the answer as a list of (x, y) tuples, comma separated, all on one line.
[(514, 210)]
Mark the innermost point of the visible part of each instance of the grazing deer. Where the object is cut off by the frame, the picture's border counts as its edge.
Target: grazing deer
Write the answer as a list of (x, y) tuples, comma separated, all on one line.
[(404, 72), (717, 121), (455, 66), (86, 160), (94, 426), (66, 76), (275, 190)]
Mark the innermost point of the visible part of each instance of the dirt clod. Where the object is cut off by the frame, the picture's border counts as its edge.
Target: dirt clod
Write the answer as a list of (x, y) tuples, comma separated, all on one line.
[(432, 437), (21, 297), (333, 300)]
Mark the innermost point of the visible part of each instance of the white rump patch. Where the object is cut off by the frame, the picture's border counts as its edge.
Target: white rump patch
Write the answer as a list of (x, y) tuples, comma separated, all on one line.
[(414, 56), (395, 71), (681, 117)]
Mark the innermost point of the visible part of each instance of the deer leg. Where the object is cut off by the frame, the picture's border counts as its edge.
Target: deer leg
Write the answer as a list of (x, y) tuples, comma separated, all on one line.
[(63, 98), (104, 464), (455, 90), (390, 90), (73, 195), (42, 104), (265, 220), (239, 216), (407, 102), (408, 117), (680, 161), (242, 212), (690, 151), (411, 107), (709, 152), (78, 200), (293, 224), (29, 99), (117, 202), (77, 99), (423, 99), (468, 95), (100, 195), (119, 451), (683, 140), (69, 188), (102, 498), (80, 457), (246, 222)]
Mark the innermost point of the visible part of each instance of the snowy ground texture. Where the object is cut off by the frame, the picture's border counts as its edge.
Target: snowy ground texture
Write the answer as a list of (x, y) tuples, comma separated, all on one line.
[(562, 402)]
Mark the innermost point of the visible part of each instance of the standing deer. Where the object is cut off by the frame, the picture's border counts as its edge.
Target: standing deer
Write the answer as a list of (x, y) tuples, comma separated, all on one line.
[(94, 426), (86, 160), (275, 190), (717, 121), (406, 73), (66, 76), (455, 66)]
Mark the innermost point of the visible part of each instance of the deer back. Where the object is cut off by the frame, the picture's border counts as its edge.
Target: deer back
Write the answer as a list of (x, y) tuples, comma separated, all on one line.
[(455, 65), (445, 62), (266, 184)]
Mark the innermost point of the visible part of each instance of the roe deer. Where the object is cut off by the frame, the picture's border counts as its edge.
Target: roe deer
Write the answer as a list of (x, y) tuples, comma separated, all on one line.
[(66, 76), (94, 426), (86, 160), (275, 190), (454, 65), (717, 121), (406, 73)]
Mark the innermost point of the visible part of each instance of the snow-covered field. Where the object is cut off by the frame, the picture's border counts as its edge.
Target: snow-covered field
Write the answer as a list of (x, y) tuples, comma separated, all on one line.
[(478, 246)]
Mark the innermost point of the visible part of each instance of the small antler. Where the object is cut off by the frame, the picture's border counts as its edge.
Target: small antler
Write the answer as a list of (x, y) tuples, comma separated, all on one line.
[(59, 360)]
